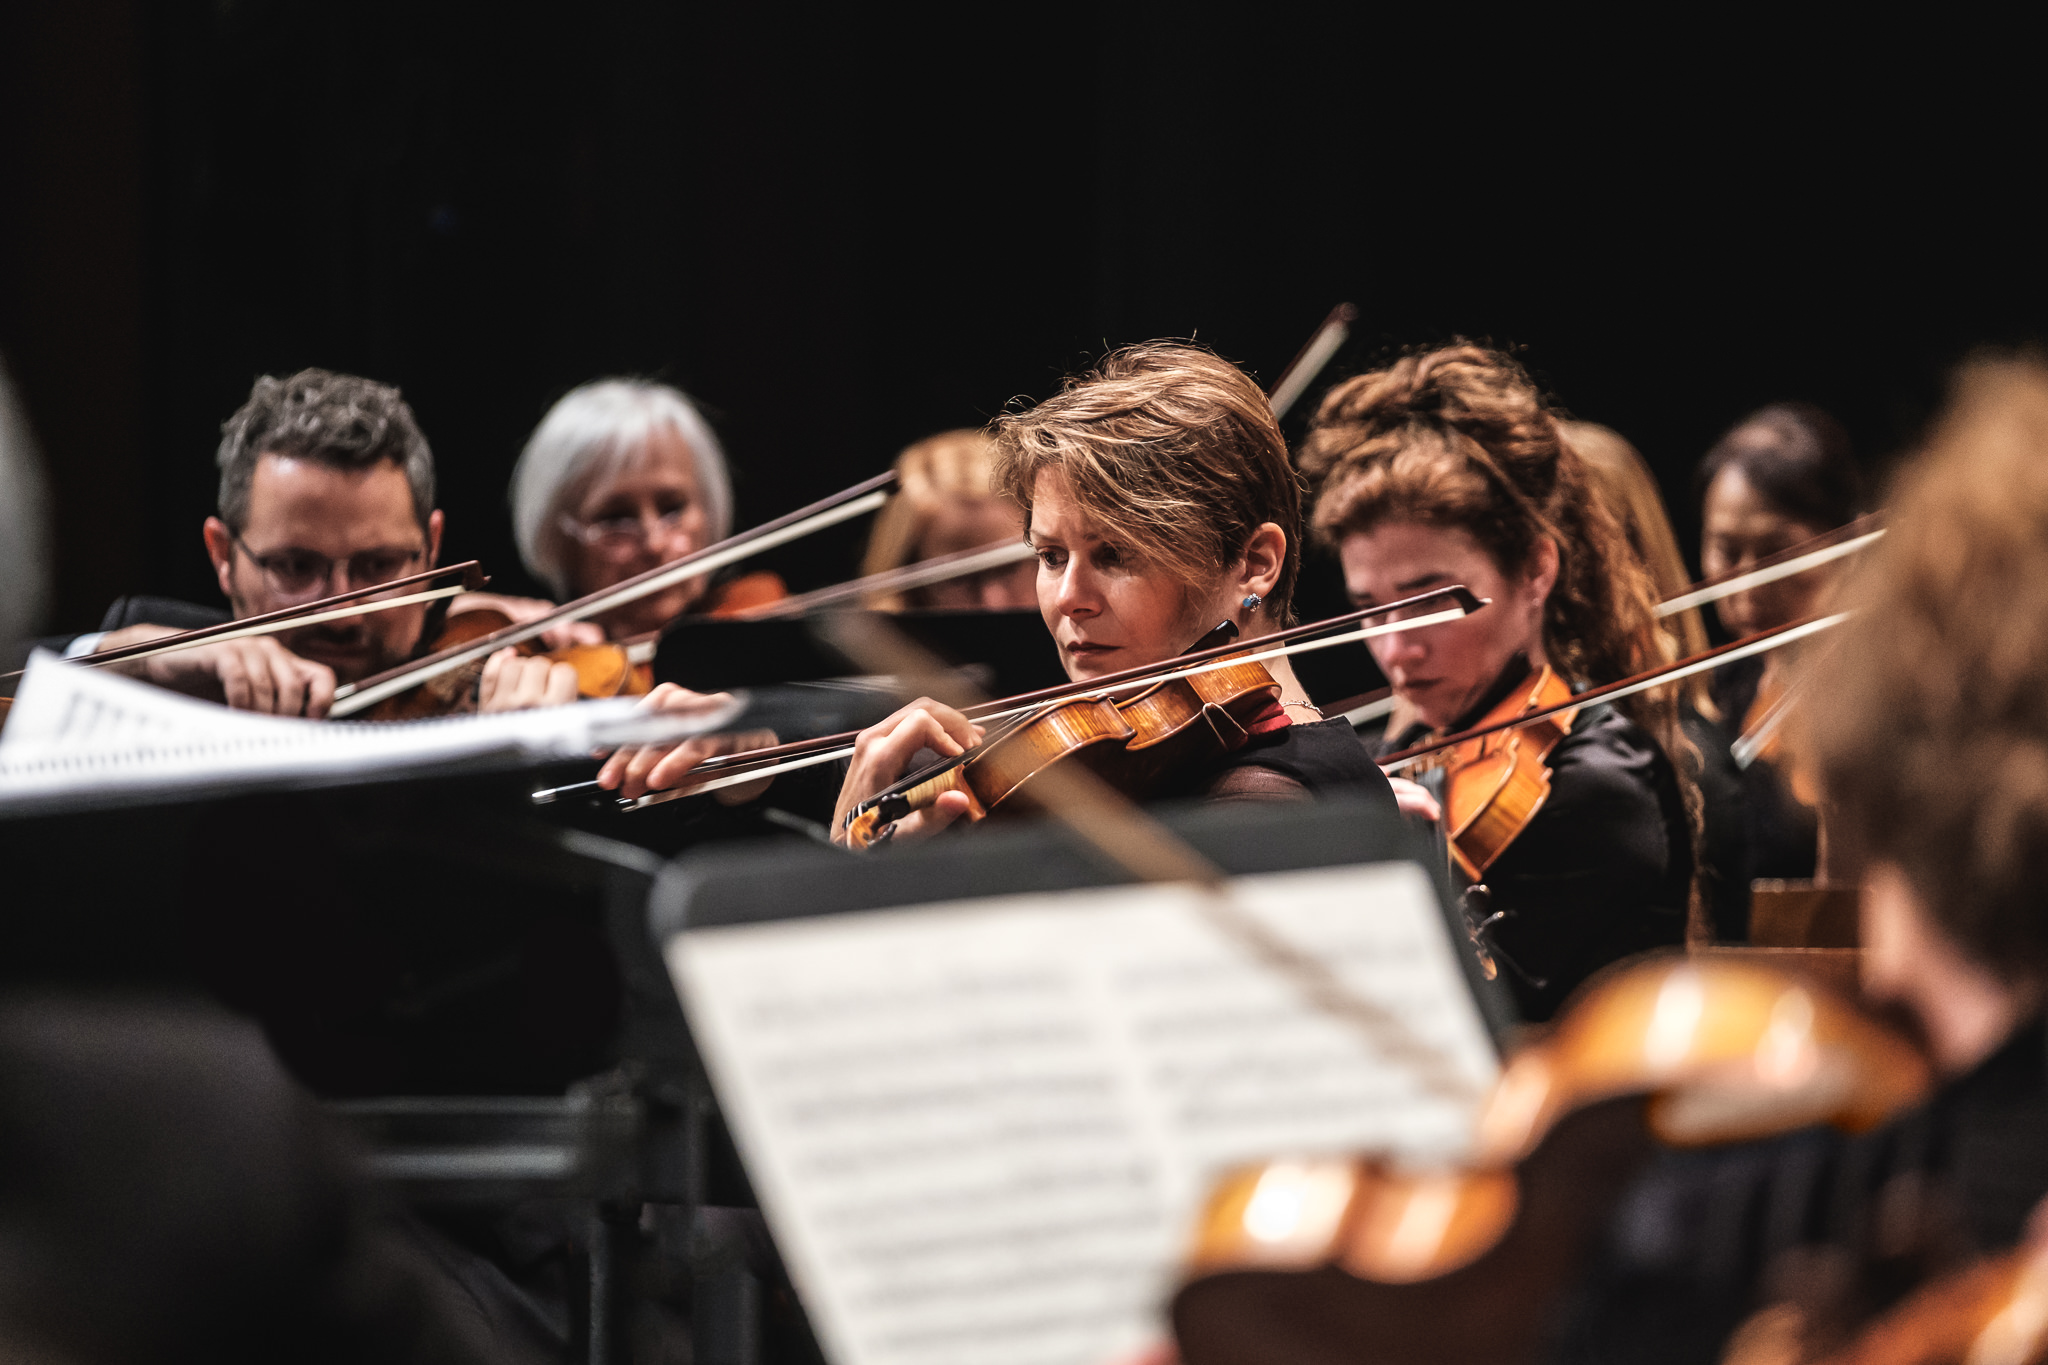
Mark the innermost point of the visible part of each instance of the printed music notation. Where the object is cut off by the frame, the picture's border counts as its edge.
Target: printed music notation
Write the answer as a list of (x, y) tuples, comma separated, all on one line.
[(982, 1131), (82, 736)]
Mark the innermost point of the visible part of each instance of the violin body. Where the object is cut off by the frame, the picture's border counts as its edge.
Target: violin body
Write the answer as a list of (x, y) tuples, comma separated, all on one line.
[(603, 670), (1494, 785), (1363, 1261), (1137, 745)]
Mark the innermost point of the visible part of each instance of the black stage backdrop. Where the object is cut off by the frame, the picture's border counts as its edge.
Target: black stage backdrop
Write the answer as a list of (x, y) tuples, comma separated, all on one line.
[(844, 228)]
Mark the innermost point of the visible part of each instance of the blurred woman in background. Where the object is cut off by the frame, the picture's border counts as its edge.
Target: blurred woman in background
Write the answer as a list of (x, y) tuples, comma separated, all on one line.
[(1622, 479), (621, 476), (944, 504), (1782, 475)]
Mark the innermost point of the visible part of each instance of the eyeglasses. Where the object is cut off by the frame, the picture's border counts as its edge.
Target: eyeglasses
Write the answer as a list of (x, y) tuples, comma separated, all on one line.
[(623, 535), (303, 573)]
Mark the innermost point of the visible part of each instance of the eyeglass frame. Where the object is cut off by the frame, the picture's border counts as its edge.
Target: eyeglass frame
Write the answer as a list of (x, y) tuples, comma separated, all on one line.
[(326, 575), (591, 535)]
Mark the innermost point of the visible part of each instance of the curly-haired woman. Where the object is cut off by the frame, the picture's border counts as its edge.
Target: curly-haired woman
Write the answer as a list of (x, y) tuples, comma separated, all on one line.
[(1448, 467)]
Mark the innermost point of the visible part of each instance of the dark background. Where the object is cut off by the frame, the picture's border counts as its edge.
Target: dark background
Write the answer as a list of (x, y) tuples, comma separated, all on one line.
[(842, 230)]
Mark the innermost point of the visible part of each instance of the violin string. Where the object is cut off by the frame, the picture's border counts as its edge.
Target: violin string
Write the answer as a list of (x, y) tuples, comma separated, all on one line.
[(370, 692)]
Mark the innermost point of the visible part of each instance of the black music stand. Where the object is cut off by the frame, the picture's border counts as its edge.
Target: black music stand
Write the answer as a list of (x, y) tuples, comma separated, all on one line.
[(733, 885)]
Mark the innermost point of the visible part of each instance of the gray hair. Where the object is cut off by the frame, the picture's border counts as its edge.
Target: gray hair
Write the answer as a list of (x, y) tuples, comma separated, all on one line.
[(340, 420), (593, 428), (24, 532)]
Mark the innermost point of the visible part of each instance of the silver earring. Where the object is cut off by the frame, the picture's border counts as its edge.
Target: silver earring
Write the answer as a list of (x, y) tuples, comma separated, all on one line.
[(1251, 603)]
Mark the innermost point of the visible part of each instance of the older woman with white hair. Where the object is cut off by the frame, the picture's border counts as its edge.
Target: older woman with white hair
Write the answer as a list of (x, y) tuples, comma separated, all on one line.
[(621, 476)]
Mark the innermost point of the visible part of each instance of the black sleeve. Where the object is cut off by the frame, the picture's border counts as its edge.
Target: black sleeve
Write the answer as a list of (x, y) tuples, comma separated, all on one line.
[(160, 611), (1603, 870)]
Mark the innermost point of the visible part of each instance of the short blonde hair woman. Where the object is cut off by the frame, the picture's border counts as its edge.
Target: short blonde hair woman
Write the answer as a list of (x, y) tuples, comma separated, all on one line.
[(1157, 492)]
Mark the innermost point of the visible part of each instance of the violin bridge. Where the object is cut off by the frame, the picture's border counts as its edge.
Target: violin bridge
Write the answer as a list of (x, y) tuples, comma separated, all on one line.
[(1224, 725)]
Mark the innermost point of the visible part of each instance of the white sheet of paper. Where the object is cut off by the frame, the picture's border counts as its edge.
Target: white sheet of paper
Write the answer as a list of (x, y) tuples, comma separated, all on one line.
[(982, 1131), (79, 734)]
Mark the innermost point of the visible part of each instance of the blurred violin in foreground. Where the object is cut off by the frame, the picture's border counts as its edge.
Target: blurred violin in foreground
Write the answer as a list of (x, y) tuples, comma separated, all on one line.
[(1364, 1261)]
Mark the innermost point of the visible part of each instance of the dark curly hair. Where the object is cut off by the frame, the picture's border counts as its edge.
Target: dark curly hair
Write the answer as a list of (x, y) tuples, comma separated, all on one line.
[(337, 419), (1933, 745)]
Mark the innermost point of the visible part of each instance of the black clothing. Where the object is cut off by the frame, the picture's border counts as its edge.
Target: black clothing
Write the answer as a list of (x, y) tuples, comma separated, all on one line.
[(1326, 757), (1781, 835), (1603, 871), (160, 611), (1724, 833), (167, 1194), (136, 611), (1697, 1236)]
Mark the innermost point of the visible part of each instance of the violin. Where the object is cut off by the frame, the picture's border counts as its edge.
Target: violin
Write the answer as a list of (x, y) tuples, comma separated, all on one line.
[(602, 670), (1313, 1261), (1494, 784), (607, 669), (1137, 745)]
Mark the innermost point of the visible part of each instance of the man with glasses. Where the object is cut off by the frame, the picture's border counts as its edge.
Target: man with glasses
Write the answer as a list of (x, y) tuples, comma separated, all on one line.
[(326, 484)]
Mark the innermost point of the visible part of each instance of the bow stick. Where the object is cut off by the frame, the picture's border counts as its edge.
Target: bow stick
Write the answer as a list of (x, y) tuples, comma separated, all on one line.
[(922, 574), (1760, 643), (844, 505), (1308, 362), (1822, 549), (291, 618), (759, 763)]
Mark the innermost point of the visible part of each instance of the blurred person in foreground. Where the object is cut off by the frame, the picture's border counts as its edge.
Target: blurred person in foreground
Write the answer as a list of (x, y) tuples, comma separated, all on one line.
[(1782, 475), (326, 485), (1932, 748), (167, 1194), (1622, 479), (944, 504)]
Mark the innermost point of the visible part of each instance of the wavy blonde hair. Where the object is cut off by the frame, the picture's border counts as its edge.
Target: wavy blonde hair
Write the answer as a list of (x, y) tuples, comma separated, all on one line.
[(952, 464), (1624, 482)]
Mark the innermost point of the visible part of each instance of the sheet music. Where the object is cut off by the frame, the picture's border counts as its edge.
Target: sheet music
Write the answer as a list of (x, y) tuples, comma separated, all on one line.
[(982, 1131), (81, 736)]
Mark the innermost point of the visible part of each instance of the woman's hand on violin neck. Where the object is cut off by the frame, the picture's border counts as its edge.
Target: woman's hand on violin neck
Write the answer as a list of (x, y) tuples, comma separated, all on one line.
[(519, 610), (520, 682), (1415, 801), (251, 674), (634, 772), (883, 754)]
